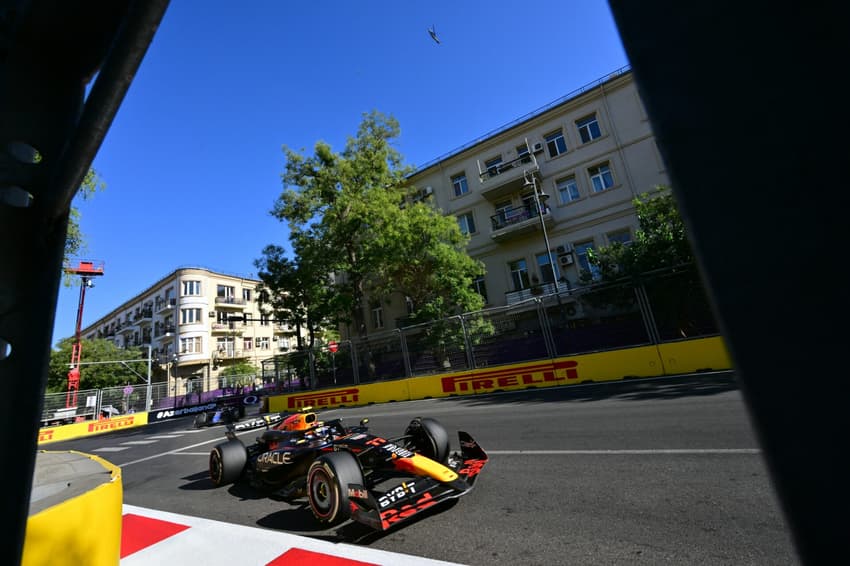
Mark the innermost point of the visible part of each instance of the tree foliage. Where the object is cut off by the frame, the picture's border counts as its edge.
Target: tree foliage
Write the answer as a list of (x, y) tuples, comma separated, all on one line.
[(75, 240), (355, 232), (661, 241), (96, 376)]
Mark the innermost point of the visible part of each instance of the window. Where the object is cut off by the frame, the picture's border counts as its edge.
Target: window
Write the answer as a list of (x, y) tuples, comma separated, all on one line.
[(264, 343), (247, 344), (246, 294), (378, 317), (555, 143), (581, 250), (546, 274), (221, 317), (225, 346), (601, 178), (225, 291), (265, 319), (190, 316), (480, 287), (623, 236), (567, 189), (191, 288), (523, 154), (519, 274), (460, 185), (466, 223), (492, 166), (588, 128), (192, 345)]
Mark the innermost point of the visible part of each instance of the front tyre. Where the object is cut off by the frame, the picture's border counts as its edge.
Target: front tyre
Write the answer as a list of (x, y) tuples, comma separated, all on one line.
[(429, 438), (227, 462), (327, 486)]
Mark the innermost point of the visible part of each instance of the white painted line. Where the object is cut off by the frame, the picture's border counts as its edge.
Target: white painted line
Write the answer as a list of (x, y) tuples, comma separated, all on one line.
[(165, 436), (138, 442), (111, 449)]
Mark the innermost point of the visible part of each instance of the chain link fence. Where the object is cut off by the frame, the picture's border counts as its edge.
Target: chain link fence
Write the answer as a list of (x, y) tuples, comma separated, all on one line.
[(661, 307)]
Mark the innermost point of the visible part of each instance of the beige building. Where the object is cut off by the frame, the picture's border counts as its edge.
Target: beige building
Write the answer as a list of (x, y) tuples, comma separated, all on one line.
[(196, 322), (587, 156)]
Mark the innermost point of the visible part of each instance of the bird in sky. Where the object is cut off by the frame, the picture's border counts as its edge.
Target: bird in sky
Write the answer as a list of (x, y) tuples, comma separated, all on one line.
[(433, 33)]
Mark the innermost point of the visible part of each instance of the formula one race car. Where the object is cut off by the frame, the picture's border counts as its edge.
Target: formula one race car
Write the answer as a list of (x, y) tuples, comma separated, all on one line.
[(347, 472), (227, 410)]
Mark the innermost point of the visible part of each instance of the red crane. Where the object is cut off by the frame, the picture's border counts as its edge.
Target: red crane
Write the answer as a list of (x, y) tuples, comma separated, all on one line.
[(87, 270)]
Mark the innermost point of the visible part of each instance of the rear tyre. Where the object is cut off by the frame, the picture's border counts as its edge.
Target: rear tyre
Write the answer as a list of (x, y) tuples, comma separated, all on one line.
[(200, 420), (227, 462), (327, 486), (429, 438)]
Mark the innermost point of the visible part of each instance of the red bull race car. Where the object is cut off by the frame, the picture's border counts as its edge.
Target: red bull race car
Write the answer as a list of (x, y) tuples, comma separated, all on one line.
[(348, 472)]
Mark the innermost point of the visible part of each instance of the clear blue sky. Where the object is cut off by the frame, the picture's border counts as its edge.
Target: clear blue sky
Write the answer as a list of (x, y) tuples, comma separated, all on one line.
[(192, 161)]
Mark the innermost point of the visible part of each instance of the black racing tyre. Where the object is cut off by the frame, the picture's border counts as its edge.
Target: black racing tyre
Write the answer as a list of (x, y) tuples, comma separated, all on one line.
[(429, 438), (227, 462), (327, 486), (200, 420)]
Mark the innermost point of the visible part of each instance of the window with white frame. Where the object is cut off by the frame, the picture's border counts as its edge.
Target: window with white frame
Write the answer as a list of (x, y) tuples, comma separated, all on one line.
[(567, 189), (191, 288), (190, 316), (378, 317), (519, 274), (246, 294), (581, 252), (193, 345), (588, 128), (480, 286), (601, 177), (264, 343), (492, 166), (556, 143), (225, 291), (466, 223), (460, 185), (545, 268), (247, 344), (225, 345)]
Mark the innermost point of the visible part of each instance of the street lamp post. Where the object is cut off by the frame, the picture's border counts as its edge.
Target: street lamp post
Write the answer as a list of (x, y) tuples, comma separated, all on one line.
[(539, 200)]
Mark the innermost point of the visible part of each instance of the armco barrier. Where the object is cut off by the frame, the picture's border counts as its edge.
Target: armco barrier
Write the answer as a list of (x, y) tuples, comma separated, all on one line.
[(87, 428), (645, 361)]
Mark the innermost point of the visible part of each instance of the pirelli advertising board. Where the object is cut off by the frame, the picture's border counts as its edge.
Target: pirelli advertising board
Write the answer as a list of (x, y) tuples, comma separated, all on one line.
[(86, 428), (648, 361)]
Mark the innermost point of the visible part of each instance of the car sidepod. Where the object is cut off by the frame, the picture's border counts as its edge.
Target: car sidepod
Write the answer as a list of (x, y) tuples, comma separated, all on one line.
[(430, 484)]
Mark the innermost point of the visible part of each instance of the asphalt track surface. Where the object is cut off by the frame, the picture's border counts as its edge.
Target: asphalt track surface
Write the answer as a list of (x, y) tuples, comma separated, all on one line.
[(651, 471)]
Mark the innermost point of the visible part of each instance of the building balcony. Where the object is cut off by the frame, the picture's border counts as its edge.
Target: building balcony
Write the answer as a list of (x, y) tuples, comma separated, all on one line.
[(227, 328), (518, 221), (519, 295), (503, 179), (144, 317), (230, 302), (162, 305)]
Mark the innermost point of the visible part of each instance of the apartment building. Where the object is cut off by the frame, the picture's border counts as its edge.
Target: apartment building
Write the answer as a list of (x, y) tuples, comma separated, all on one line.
[(537, 194), (197, 323)]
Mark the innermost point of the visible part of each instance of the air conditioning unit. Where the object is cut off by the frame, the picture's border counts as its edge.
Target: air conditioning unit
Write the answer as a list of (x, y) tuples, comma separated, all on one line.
[(561, 250), (428, 190), (538, 147), (566, 259)]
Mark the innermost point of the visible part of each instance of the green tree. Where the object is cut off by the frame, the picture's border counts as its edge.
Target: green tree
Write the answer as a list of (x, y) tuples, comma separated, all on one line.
[(351, 215), (75, 241), (100, 375), (661, 241)]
